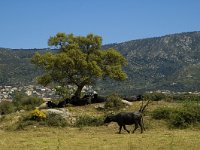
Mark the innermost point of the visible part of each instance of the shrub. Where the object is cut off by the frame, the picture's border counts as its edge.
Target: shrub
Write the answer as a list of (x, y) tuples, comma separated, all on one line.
[(114, 102), (194, 109), (6, 107), (55, 120), (187, 115), (38, 115), (183, 117), (23, 101), (63, 92), (30, 102), (162, 113), (155, 96), (87, 120), (186, 97)]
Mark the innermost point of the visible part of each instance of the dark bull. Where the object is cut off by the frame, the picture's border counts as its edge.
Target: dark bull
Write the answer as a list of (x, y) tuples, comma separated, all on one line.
[(127, 118)]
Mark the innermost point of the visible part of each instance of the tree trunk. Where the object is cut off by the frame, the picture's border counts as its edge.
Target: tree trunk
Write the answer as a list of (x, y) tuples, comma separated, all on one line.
[(78, 91)]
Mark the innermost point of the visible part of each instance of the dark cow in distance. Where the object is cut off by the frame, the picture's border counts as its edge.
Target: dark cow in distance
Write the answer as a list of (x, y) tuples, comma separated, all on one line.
[(87, 99), (127, 118), (98, 99), (76, 101), (134, 98), (51, 104), (63, 103)]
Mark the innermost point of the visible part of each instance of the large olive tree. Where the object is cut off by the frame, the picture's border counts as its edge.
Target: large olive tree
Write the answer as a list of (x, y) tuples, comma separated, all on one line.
[(80, 61)]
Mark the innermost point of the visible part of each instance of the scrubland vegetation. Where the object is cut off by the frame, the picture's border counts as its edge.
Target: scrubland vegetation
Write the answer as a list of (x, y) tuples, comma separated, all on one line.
[(171, 122)]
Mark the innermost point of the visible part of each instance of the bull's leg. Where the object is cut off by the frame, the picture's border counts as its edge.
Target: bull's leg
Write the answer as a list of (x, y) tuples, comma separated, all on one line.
[(120, 128), (141, 126), (126, 129), (136, 126)]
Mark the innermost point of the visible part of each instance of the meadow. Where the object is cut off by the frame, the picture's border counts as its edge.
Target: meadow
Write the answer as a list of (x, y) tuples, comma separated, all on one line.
[(157, 135)]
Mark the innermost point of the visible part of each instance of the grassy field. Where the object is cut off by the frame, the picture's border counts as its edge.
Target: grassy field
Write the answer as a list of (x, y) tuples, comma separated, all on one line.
[(157, 135), (98, 138)]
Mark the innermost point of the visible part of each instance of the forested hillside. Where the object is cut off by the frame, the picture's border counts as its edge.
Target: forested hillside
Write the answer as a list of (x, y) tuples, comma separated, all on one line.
[(16, 68), (171, 62)]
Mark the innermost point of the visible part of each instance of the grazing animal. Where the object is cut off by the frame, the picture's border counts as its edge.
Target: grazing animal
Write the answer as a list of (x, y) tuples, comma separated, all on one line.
[(2, 113), (76, 101), (127, 118), (134, 98), (131, 99), (50, 104), (62, 104), (87, 99), (140, 97), (98, 99)]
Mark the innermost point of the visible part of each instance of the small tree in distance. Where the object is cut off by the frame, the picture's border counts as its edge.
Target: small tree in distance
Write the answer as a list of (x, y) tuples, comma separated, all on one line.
[(80, 61)]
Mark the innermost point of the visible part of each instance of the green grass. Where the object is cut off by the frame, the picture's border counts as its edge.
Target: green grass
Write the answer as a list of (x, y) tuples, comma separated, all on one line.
[(157, 135), (98, 138)]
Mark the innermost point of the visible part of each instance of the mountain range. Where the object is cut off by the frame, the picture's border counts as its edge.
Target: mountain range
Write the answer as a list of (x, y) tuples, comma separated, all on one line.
[(170, 62)]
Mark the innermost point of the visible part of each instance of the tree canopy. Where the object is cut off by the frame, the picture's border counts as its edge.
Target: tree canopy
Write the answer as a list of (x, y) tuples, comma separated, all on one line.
[(79, 61)]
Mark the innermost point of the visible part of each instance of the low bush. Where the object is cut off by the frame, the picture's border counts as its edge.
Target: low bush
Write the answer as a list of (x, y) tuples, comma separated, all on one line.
[(183, 117), (87, 120), (38, 115), (162, 113), (186, 97), (23, 101), (6, 107), (114, 102), (188, 115), (194, 109), (55, 120), (155, 96)]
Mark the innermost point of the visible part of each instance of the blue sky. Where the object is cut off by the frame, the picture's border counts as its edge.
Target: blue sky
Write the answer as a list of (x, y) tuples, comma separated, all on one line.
[(30, 23)]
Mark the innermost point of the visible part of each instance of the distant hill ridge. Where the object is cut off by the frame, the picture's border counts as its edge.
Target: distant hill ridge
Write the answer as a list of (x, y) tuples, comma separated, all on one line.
[(170, 62)]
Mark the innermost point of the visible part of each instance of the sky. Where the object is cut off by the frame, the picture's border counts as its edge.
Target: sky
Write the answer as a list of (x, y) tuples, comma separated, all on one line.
[(30, 23)]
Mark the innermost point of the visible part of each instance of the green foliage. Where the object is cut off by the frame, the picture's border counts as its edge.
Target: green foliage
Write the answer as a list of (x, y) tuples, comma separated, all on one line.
[(183, 117), (80, 61), (186, 116), (114, 102), (194, 108), (162, 113), (23, 101), (64, 92), (6, 107), (155, 96), (186, 97), (87, 120), (55, 120), (16, 68)]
